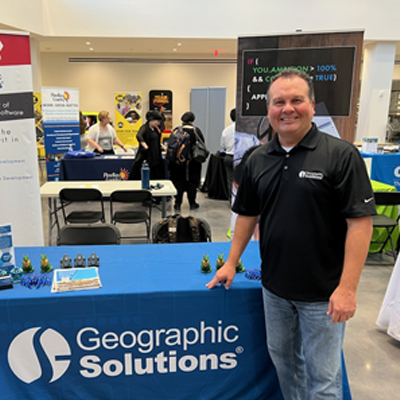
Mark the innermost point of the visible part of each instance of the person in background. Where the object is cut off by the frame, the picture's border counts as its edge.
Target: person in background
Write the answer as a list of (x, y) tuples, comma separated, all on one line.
[(228, 145), (161, 110), (82, 130), (101, 136), (186, 177), (312, 196), (150, 148)]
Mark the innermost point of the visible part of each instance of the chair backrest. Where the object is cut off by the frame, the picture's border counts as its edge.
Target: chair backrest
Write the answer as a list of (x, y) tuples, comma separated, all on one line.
[(387, 198), (80, 195), (101, 234), (131, 196)]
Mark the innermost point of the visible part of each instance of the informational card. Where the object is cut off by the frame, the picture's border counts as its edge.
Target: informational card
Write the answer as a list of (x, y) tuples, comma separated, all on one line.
[(71, 279), (7, 258)]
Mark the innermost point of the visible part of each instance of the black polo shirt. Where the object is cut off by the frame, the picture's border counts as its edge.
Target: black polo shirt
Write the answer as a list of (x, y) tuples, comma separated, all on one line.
[(303, 198)]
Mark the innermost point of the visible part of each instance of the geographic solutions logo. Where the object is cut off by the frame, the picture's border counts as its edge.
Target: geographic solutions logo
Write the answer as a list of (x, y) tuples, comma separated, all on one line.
[(23, 359), (146, 352)]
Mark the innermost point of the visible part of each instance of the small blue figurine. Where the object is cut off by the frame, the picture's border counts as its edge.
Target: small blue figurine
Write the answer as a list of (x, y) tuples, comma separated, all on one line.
[(93, 260), (66, 262), (79, 261)]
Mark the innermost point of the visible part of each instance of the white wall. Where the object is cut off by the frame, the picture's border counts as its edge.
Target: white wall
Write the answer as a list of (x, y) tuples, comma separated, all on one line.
[(26, 15), (98, 82), (205, 18)]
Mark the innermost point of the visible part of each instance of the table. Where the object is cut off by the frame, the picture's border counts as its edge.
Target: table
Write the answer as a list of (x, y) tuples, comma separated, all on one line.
[(380, 234), (51, 190), (216, 181), (153, 331), (385, 168), (107, 167), (389, 314)]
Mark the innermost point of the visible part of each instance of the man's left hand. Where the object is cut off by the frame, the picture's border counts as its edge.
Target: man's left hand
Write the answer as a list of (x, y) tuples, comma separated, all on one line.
[(342, 305)]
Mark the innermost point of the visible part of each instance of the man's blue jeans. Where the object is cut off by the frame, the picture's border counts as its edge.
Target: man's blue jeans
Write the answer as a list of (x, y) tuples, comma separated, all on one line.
[(305, 348)]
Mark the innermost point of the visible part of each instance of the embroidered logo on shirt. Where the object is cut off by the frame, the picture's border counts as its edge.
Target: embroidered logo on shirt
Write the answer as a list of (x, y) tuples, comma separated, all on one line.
[(311, 175), (368, 200)]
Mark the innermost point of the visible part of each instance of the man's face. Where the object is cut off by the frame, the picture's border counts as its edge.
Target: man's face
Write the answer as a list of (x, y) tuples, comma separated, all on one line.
[(290, 110)]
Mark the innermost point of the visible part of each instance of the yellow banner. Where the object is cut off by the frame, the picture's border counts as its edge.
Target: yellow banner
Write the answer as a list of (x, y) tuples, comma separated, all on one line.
[(37, 109), (128, 117)]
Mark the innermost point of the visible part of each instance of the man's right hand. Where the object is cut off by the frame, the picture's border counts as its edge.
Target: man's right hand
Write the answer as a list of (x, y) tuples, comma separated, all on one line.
[(224, 276)]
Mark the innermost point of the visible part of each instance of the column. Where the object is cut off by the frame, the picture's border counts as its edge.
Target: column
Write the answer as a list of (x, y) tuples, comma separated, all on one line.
[(376, 84)]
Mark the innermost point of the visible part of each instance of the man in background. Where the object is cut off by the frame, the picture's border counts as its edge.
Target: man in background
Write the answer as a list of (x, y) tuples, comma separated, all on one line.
[(228, 145)]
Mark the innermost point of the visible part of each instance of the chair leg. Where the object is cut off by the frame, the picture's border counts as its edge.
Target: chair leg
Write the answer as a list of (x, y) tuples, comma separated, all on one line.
[(391, 243)]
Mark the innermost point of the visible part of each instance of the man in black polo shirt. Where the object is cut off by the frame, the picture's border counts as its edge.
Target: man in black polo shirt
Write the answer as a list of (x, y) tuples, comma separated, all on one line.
[(311, 195)]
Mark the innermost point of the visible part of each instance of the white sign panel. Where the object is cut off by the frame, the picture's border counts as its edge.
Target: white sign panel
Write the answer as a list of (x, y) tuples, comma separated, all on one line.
[(19, 178)]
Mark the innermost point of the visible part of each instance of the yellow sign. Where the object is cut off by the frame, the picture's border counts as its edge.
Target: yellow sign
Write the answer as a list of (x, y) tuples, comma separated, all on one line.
[(128, 117), (37, 109)]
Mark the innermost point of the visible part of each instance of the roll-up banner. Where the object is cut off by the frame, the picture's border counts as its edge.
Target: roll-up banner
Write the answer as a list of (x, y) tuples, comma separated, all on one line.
[(19, 178), (60, 108), (128, 116)]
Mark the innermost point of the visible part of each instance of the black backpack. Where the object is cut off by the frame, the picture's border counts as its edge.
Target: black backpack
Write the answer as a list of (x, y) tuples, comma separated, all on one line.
[(178, 229), (178, 150)]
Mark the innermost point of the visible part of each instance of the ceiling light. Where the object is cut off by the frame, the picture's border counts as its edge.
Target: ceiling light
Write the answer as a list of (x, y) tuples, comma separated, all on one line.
[(174, 49), (88, 43), (179, 44), (91, 49)]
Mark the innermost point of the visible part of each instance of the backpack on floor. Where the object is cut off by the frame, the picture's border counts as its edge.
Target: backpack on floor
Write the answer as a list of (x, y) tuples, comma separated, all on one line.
[(178, 229), (178, 149)]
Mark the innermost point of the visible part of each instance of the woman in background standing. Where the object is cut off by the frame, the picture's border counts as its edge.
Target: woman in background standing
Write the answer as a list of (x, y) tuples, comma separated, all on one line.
[(101, 136), (149, 138)]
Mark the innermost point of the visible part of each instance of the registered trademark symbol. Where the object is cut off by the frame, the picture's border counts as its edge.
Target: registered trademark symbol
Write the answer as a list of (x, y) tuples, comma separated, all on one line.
[(239, 350)]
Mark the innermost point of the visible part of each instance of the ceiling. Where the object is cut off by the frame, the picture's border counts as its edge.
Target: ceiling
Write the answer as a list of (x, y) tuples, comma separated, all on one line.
[(141, 47), (157, 48)]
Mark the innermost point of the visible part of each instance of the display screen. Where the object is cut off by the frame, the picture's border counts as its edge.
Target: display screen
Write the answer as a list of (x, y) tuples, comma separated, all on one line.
[(330, 67)]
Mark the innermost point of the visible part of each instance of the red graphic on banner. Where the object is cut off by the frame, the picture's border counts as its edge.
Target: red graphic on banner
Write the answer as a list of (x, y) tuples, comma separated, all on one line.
[(14, 50)]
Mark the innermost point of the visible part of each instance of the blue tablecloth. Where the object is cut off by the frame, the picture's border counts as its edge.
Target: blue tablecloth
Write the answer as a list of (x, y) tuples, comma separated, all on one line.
[(96, 169), (153, 331), (385, 168)]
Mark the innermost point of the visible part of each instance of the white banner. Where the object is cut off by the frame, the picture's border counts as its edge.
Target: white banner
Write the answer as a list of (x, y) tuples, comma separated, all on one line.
[(19, 179), (60, 108)]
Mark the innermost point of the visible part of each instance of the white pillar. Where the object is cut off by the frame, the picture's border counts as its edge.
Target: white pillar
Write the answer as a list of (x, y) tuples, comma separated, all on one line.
[(376, 84), (36, 65)]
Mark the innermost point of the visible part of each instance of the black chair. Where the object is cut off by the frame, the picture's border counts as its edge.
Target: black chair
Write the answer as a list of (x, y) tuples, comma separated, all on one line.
[(383, 221), (94, 205), (86, 235), (136, 209)]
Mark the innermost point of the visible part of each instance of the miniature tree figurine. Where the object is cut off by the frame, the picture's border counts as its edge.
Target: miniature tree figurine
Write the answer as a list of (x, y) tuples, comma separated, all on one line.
[(220, 261), (45, 265), (27, 267), (205, 265), (66, 262), (239, 267)]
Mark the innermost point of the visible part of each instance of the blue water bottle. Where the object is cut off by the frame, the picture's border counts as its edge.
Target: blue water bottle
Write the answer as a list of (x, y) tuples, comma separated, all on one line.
[(145, 175)]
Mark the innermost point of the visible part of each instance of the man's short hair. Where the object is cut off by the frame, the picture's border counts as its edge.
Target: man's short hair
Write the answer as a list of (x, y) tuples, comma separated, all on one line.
[(233, 114), (291, 73)]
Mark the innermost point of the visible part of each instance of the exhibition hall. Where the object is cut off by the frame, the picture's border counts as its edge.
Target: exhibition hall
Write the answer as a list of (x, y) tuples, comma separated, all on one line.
[(199, 200)]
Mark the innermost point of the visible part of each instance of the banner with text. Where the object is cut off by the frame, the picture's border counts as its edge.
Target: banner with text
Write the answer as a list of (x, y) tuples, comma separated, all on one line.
[(19, 178), (128, 117), (60, 108)]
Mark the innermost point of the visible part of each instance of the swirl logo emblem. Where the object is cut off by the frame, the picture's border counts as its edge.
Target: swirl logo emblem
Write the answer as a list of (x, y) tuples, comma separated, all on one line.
[(23, 359)]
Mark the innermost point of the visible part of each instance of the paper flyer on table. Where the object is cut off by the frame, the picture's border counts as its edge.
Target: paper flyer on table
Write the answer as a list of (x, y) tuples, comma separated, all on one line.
[(71, 279)]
